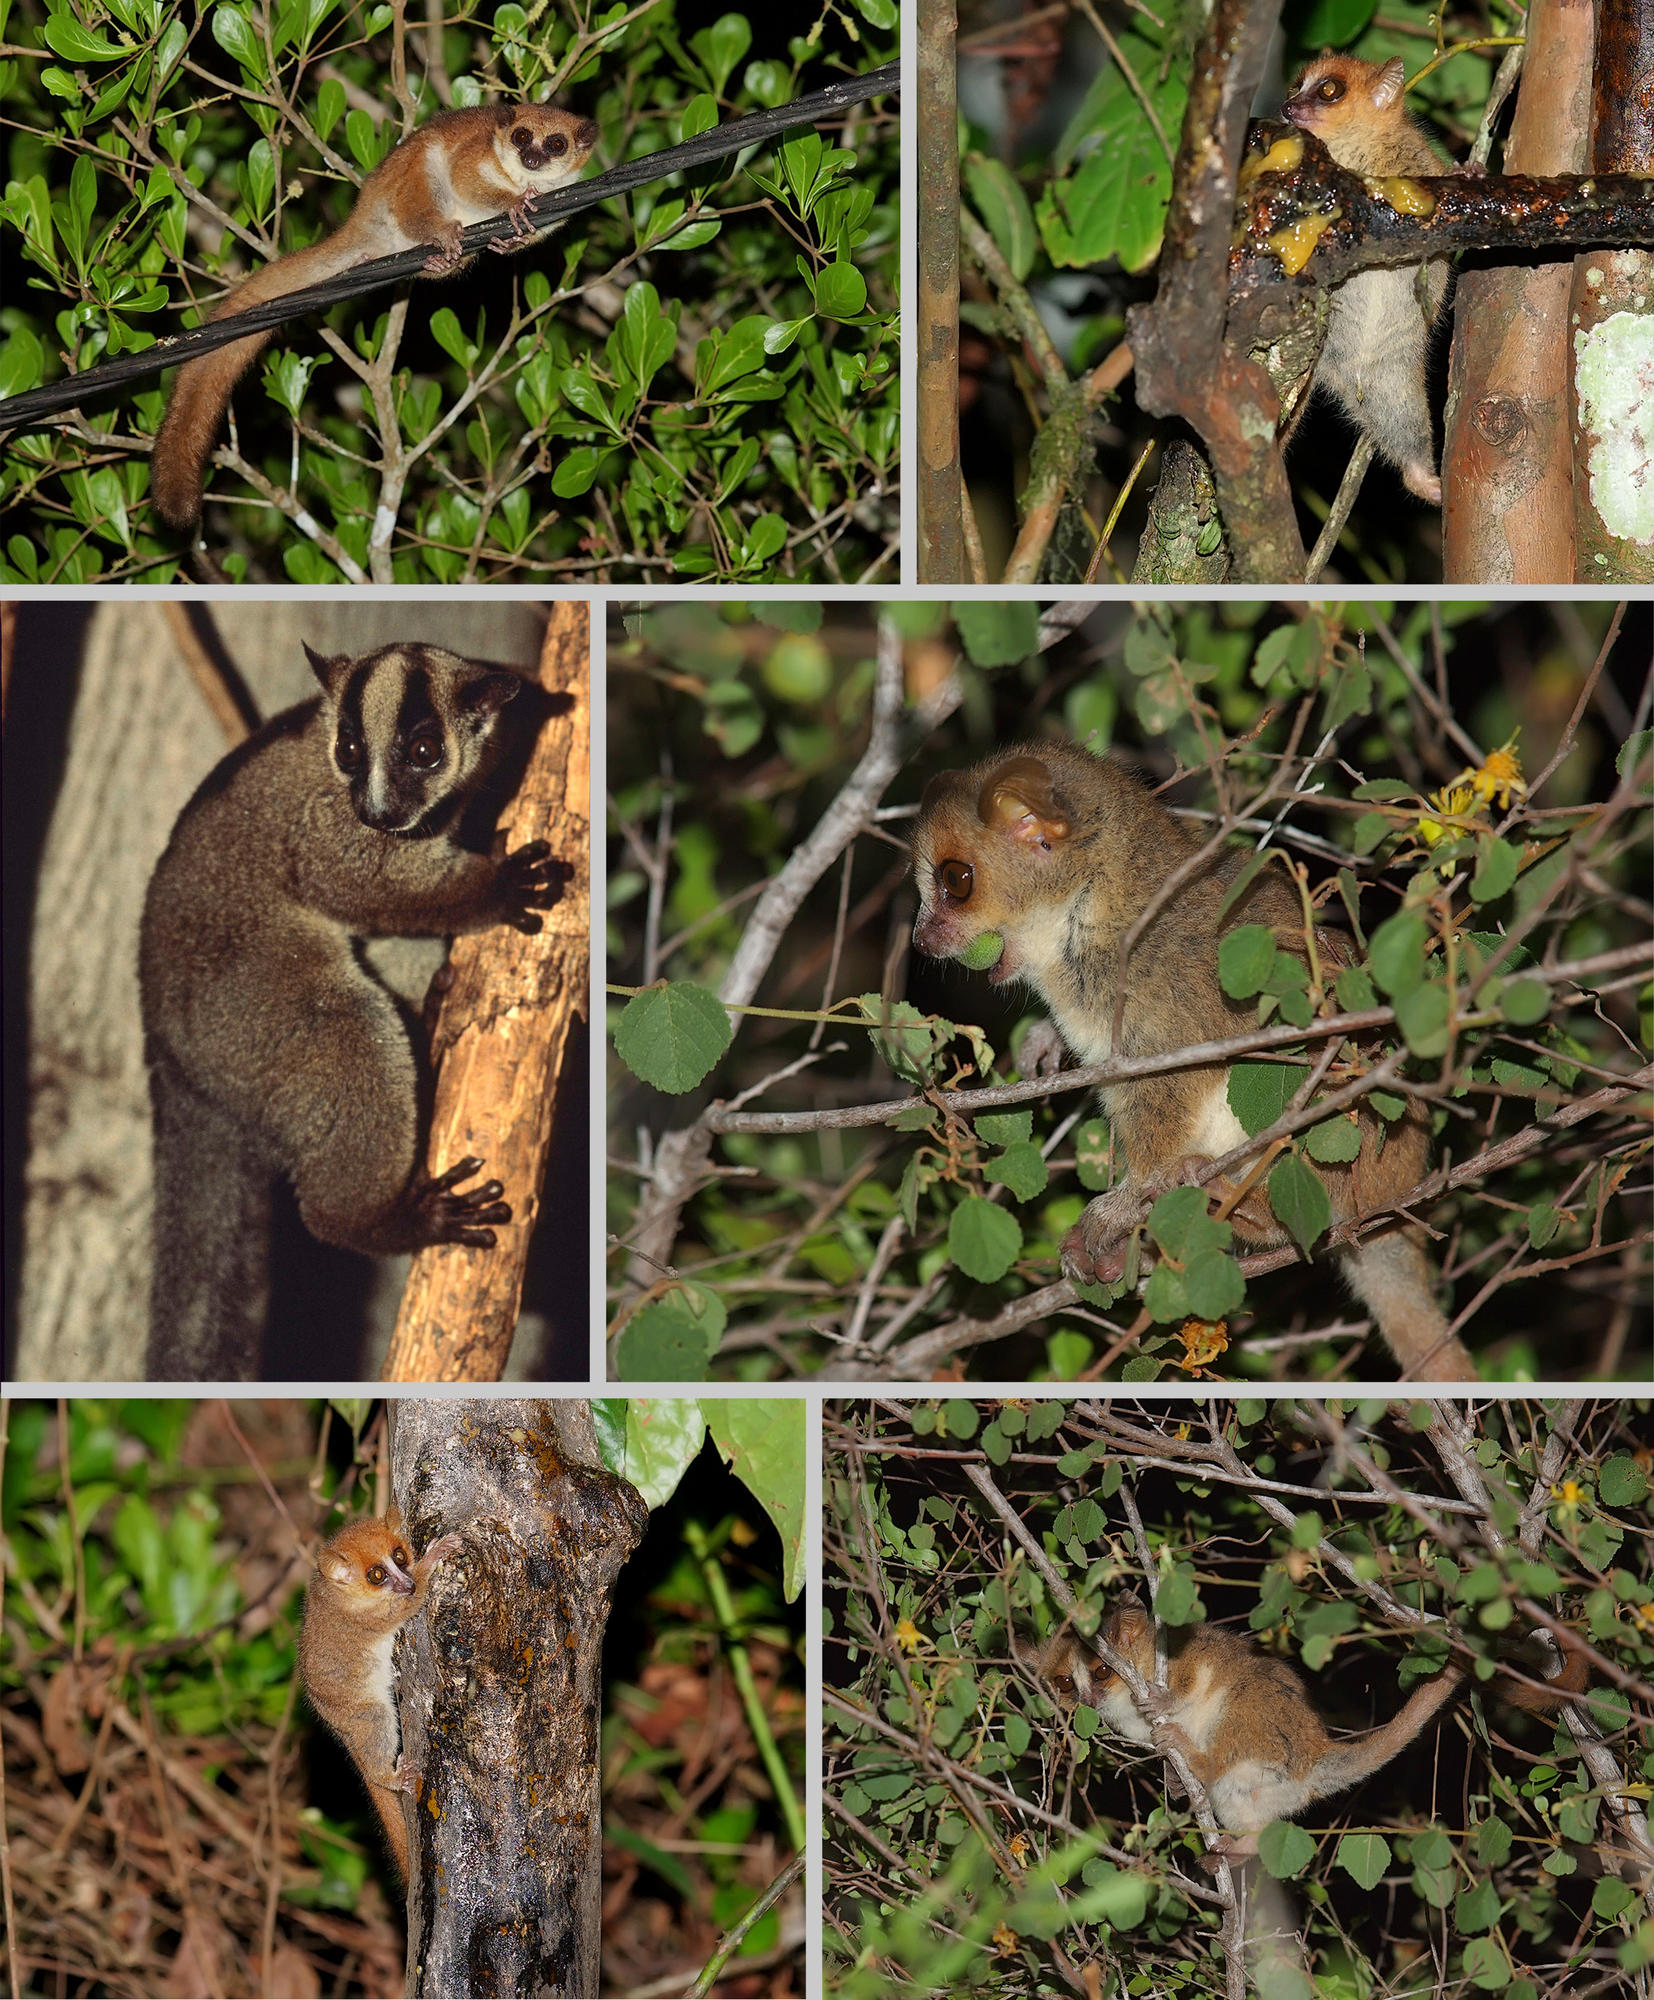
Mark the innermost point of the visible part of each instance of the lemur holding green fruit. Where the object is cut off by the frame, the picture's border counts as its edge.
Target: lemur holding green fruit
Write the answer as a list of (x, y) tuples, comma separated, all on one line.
[(1033, 866)]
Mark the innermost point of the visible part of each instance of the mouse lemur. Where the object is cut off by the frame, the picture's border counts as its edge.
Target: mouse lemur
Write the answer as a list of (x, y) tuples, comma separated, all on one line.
[(272, 1049)]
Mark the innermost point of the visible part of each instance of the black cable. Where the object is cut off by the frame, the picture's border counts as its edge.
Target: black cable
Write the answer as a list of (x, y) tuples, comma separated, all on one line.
[(19, 412)]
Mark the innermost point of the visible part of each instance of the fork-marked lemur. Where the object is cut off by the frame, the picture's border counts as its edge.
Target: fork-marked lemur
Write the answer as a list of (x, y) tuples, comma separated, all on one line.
[(272, 1048)]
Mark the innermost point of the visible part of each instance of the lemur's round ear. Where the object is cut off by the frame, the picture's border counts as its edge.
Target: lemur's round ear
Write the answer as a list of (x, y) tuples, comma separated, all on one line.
[(1019, 797), (489, 692)]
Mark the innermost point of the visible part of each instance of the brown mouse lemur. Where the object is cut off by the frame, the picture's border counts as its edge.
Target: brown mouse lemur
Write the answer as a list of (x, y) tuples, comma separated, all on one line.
[(273, 1050), (1047, 857)]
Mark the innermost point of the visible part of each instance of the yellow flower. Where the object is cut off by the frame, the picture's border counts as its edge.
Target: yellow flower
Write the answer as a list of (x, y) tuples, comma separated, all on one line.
[(1454, 801), (908, 1635), (1203, 1341), (1498, 776)]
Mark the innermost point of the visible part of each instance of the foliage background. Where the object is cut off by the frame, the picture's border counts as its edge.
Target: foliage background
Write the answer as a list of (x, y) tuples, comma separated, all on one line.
[(1079, 217), (733, 731), (696, 380), (177, 1820), (976, 1842)]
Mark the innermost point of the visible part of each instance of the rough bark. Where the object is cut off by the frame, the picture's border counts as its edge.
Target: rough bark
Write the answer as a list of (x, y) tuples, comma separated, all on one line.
[(503, 1043), (1507, 458), (1185, 366), (1182, 517), (500, 1691)]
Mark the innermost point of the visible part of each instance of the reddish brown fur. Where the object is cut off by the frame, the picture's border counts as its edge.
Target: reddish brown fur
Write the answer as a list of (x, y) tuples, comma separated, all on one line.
[(1242, 1720), (460, 167), (1379, 332), (1061, 854), (364, 1589)]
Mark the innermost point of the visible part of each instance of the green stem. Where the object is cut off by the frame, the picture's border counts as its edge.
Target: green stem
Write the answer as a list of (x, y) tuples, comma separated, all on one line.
[(741, 1666)]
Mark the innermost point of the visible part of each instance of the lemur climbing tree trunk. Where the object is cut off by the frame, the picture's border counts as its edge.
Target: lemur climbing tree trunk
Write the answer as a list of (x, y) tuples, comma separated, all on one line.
[(502, 1042), (500, 1692)]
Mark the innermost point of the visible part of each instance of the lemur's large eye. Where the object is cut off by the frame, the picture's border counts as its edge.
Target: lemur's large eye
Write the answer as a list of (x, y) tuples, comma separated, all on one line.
[(348, 747), (557, 144), (957, 879), (522, 136), (1330, 91), (425, 748), (376, 1574)]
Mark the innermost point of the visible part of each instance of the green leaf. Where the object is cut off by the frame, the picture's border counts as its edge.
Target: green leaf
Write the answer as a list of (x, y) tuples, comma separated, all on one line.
[(1477, 1908), (672, 1035), (1091, 1145), (1299, 1198), (22, 361), (1259, 1092), (998, 635), (1497, 863), (983, 1240), (1369, 831), (661, 1437), (1364, 1857), (1174, 1215), (577, 470), (1622, 1481), (1543, 1223), (1332, 23), (960, 1418), (1396, 956), (1633, 750), (65, 37), (1004, 1128), (764, 1441), (1021, 1168), (841, 292), (451, 337), (672, 1338), (1213, 1285), (1522, 1002), (1421, 1015), (234, 33), (1285, 1850), (1176, 1596), (1003, 207), (1115, 204), (1164, 1296), (722, 46), (1245, 959), (1335, 1142)]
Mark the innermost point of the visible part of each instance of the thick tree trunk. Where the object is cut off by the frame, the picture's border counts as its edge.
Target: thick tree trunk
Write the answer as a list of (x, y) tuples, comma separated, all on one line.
[(500, 1687), (1507, 459)]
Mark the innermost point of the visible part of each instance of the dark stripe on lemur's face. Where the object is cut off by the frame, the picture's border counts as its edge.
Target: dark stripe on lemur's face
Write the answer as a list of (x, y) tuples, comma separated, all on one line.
[(392, 744), (411, 726)]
